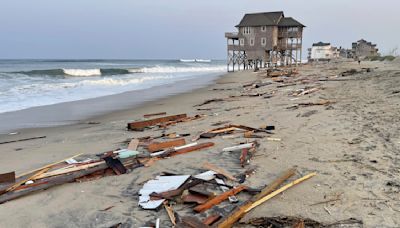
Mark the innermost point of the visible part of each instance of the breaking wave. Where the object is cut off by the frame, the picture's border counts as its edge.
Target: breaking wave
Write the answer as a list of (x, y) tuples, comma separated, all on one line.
[(120, 71)]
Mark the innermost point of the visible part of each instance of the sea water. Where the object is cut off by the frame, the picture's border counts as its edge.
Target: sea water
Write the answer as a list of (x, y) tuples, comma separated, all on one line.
[(32, 83)]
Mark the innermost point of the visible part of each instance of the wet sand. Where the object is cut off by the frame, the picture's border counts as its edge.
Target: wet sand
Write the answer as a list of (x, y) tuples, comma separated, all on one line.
[(353, 145)]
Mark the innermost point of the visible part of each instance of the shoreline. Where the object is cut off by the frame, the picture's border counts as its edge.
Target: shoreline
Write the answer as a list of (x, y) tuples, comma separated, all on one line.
[(352, 144)]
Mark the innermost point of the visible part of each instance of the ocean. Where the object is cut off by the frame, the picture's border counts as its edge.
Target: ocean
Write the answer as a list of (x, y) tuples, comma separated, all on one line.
[(46, 93), (33, 83)]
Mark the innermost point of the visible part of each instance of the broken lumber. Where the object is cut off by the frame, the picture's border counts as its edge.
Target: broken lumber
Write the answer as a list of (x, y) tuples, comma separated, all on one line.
[(209, 101), (140, 125), (133, 145), (220, 198), (221, 171), (67, 170), (192, 148), (21, 140), (7, 177), (238, 213), (211, 219), (170, 213), (157, 146), (239, 147), (47, 166), (277, 192), (50, 182)]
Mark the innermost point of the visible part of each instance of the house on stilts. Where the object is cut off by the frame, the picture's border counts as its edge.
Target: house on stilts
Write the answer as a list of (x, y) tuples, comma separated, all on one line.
[(265, 40)]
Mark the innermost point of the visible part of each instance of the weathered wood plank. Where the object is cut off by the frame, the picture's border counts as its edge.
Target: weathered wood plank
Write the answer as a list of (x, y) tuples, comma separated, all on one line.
[(140, 125), (164, 145)]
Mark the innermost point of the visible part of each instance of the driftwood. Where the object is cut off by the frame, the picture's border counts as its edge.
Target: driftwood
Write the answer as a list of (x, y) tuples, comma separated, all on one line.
[(287, 221), (133, 145)]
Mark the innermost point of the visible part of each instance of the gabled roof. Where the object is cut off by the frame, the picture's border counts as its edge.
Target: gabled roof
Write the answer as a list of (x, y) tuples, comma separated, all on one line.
[(321, 44), (289, 22), (261, 19)]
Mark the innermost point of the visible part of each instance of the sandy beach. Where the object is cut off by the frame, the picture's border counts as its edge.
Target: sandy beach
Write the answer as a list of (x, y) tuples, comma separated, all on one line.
[(353, 144)]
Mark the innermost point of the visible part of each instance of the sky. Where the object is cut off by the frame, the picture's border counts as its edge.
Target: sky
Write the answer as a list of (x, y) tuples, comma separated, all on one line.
[(174, 29)]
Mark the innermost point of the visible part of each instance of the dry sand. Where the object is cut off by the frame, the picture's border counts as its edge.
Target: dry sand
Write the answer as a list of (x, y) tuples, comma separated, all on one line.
[(353, 145)]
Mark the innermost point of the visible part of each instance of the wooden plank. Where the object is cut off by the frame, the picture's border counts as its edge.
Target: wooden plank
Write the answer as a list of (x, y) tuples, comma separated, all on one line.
[(220, 198), (154, 114), (192, 148), (50, 182), (24, 180), (277, 192), (69, 170), (140, 125), (164, 145), (170, 213), (46, 166), (211, 219), (133, 145), (221, 171), (238, 213), (115, 165), (7, 177)]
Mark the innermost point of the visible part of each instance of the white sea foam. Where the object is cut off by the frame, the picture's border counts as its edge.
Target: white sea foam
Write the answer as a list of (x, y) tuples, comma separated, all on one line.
[(82, 72)]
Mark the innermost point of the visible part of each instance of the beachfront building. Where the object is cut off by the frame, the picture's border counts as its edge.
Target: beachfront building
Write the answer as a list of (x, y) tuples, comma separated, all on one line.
[(362, 49), (263, 40), (322, 52)]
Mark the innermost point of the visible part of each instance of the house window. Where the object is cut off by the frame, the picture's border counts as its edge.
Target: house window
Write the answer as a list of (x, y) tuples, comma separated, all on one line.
[(241, 42), (263, 28), (251, 41), (263, 41), (246, 30)]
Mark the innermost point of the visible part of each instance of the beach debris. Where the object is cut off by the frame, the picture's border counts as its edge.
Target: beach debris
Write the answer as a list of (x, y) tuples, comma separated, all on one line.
[(141, 125), (288, 221), (157, 146), (133, 144), (218, 199), (154, 114), (317, 103), (7, 178), (305, 91), (158, 185), (240, 211), (170, 212), (182, 149), (233, 198), (115, 165), (277, 192), (190, 222), (218, 170), (210, 101), (194, 198), (210, 220), (239, 147), (107, 208), (22, 140)]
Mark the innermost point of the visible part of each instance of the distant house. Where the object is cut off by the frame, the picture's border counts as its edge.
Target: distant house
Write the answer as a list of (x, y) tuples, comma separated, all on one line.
[(362, 49), (322, 52), (265, 39)]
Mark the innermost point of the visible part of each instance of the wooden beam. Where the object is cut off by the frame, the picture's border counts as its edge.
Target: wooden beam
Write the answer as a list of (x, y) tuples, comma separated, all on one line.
[(220, 198), (238, 213), (164, 145), (50, 183), (221, 171), (193, 148), (140, 125)]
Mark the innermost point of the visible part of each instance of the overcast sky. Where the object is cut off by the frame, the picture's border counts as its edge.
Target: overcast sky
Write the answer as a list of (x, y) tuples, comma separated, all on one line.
[(173, 29)]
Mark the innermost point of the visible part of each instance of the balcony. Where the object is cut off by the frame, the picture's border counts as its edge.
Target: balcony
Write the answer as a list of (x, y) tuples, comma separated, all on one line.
[(232, 35)]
